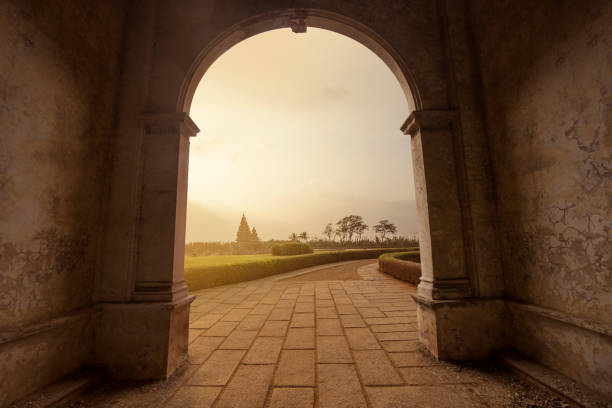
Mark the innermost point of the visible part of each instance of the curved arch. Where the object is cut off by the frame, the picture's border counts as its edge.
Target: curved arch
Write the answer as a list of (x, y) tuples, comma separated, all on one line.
[(282, 19)]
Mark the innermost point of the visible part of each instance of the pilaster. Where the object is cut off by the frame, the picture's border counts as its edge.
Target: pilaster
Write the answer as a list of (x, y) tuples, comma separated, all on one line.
[(453, 323), (443, 264), (163, 198), (147, 336)]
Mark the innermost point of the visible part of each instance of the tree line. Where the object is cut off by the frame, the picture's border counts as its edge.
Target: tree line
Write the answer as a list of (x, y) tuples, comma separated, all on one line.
[(348, 232), (349, 227)]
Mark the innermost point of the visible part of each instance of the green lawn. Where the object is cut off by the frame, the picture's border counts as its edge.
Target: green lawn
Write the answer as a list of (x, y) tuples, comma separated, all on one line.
[(208, 271), (216, 260), (220, 260)]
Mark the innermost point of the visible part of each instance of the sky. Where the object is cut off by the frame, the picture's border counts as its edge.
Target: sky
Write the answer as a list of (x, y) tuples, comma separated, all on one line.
[(298, 130)]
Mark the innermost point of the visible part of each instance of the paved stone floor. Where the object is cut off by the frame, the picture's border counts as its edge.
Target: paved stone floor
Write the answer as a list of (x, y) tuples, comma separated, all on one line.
[(284, 343)]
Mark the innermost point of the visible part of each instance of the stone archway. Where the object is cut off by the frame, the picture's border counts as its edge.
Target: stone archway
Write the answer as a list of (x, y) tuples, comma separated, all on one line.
[(144, 300), (298, 19)]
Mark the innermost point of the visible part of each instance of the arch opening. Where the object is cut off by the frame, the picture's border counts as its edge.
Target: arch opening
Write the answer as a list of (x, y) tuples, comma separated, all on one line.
[(302, 125), (287, 18)]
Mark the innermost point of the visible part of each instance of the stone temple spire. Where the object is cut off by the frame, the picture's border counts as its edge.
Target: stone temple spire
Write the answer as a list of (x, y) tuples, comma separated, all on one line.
[(243, 236), (254, 236)]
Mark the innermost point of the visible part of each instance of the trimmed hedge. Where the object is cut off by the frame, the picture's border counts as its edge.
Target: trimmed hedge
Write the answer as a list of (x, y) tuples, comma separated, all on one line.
[(291, 248), (209, 276), (404, 266)]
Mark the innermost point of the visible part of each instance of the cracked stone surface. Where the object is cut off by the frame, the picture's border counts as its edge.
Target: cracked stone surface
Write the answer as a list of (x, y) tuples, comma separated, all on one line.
[(286, 341)]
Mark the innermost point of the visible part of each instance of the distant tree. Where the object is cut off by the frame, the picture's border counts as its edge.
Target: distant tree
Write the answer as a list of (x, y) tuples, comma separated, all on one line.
[(356, 225), (293, 236), (304, 236), (360, 228), (384, 227), (342, 229), (379, 229), (350, 226), (392, 229), (328, 231)]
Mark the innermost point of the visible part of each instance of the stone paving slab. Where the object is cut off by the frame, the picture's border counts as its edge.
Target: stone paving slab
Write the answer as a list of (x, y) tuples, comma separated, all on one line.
[(339, 387), (450, 396), (296, 368), (192, 396), (274, 328), (292, 397), (376, 368), (361, 339), (265, 350), (202, 348), (333, 349), (300, 338), (218, 369), (329, 327), (248, 388)]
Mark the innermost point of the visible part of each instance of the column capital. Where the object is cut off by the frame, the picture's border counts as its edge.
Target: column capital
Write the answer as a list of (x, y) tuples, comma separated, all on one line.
[(429, 120), (169, 123)]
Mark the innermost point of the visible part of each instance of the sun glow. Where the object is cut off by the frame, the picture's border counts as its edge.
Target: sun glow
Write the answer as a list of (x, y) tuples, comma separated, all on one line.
[(298, 131)]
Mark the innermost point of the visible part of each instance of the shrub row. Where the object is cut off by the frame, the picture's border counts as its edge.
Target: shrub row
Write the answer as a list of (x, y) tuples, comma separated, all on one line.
[(404, 266), (209, 276), (291, 248)]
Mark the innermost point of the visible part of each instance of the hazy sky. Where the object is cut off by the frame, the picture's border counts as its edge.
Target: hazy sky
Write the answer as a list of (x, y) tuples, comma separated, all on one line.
[(298, 130)]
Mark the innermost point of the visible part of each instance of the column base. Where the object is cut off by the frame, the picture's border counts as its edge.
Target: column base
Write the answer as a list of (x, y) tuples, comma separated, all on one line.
[(142, 341), (442, 289), (461, 329)]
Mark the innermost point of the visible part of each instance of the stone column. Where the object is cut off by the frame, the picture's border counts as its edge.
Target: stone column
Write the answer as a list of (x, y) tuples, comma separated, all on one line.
[(147, 337), (161, 232), (444, 274), (451, 321)]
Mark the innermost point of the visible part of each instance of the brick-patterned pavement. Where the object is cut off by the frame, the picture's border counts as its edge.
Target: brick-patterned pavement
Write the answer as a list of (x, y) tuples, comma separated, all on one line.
[(289, 342), (282, 343)]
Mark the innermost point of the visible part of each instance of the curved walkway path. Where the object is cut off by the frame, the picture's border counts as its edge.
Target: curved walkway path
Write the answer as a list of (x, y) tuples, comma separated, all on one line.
[(283, 342)]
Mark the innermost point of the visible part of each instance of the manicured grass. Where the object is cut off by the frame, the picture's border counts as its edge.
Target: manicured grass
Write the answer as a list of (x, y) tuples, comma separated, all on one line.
[(208, 271), (216, 260)]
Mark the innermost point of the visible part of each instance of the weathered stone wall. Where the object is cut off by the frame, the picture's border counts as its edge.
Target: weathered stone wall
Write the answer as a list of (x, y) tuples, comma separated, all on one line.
[(545, 69), (59, 68), (547, 79)]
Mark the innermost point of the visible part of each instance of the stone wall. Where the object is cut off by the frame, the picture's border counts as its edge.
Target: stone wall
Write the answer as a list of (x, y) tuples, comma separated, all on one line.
[(545, 73), (547, 80), (59, 68)]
